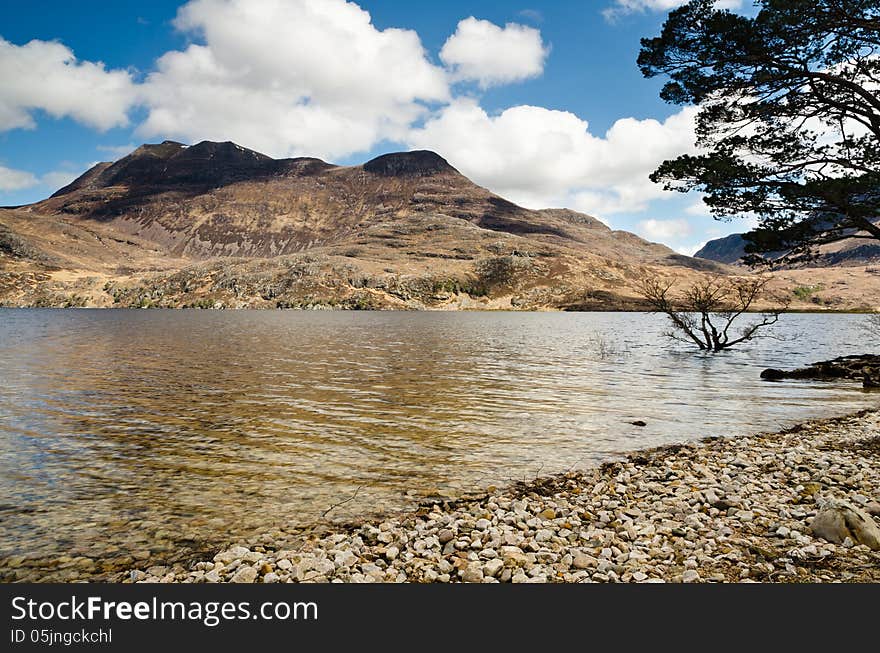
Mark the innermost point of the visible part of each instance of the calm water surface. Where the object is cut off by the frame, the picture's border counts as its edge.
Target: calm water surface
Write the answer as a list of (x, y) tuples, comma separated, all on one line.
[(143, 432)]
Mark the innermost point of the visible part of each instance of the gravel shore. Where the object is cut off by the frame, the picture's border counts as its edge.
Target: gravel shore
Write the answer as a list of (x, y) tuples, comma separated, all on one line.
[(720, 510)]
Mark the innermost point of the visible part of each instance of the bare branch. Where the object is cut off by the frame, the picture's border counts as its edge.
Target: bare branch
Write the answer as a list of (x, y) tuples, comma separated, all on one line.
[(708, 303), (342, 503)]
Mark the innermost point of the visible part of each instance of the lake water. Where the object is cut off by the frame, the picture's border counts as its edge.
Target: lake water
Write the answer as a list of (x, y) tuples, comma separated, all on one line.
[(147, 433)]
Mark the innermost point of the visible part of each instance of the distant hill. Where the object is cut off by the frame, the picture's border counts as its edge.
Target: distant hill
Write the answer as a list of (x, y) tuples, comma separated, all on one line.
[(854, 252), (219, 225), (728, 250)]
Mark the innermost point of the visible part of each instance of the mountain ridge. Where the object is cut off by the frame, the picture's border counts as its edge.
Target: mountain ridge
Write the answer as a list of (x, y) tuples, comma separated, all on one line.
[(193, 200), (218, 225), (845, 253)]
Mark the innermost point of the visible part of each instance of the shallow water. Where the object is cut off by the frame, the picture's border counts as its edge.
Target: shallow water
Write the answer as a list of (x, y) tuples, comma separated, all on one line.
[(145, 432)]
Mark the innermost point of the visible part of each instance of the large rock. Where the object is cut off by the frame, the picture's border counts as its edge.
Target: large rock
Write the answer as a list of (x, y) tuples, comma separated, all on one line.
[(830, 525), (837, 520), (864, 368), (236, 553), (473, 573), (245, 575)]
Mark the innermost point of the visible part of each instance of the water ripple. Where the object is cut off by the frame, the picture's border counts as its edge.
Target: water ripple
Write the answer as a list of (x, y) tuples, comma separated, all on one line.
[(125, 431)]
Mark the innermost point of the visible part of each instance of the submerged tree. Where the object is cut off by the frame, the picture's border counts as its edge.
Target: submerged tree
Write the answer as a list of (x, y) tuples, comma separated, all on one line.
[(789, 117), (872, 326), (705, 312)]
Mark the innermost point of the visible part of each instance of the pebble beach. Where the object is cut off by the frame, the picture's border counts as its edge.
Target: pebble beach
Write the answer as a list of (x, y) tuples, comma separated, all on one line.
[(800, 505)]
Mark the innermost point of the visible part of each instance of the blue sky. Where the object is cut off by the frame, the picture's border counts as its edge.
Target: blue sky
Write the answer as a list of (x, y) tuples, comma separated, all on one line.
[(539, 101)]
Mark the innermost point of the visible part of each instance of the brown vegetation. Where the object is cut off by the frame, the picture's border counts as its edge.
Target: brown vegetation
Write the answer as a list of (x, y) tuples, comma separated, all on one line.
[(218, 226)]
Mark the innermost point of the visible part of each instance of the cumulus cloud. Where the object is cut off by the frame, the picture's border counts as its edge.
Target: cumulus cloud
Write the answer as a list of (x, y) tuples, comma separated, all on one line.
[(740, 223), (59, 178), (622, 7), (316, 77), (540, 157), (117, 151), (692, 249), (13, 180), (483, 52), (42, 75), (678, 233), (290, 77), (665, 230), (698, 208)]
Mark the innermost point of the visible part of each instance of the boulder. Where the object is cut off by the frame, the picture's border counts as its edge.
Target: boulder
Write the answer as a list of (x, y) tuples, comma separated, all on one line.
[(837, 520), (864, 368), (830, 525), (472, 574), (245, 575)]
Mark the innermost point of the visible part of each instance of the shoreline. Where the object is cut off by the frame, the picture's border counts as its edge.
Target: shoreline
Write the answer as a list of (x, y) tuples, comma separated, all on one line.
[(715, 510), (478, 309)]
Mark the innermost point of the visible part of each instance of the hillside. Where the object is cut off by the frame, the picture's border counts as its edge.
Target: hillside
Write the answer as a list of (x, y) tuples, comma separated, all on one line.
[(218, 225), (728, 250), (846, 253)]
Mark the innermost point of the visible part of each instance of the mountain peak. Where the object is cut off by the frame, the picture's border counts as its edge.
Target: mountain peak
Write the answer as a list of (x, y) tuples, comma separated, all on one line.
[(223, 150), (174, 164), (163, 150), (419, 163)]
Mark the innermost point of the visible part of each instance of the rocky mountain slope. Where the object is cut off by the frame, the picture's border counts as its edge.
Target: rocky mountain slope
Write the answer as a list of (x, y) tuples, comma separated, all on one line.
[(846, 253), (218, 225), (728, 250)]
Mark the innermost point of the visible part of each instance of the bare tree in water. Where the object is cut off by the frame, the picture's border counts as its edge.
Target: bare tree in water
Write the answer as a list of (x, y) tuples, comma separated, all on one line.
[(872, 326), (705, 313)]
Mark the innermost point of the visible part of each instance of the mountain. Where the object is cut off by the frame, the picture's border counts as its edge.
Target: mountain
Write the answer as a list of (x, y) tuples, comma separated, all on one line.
[(846, 253), (220, 200), (728, 250), (218, 225)]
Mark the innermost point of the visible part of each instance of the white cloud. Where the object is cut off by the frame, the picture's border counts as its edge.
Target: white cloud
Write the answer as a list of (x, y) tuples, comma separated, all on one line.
[(290, 77), (483, 52), (698, 208), (539, 157), (16, 180), (622, 7), (534, 15), (117, 151), (665, 230), (13, 180), (736, 224), (316, 77), (42, 75), (58, 178), (677, 233), (690, 250)]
